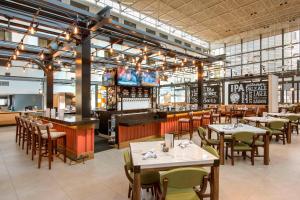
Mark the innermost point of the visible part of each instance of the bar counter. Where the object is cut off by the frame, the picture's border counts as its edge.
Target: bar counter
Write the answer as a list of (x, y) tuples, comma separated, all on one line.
[(142, 126), (80, 134)]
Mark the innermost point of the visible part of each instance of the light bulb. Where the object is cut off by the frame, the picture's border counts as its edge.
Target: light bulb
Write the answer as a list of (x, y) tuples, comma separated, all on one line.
[(159, 53), (59, 62), (32, 31), (22, 46), (75, 30), (14, 57), (185, 59), (194, 62), (67, 36), (145, 57), (75, 53), (145, 48), (42, 56), (50, 67), (17, 52), (92, 58), (111, 50)]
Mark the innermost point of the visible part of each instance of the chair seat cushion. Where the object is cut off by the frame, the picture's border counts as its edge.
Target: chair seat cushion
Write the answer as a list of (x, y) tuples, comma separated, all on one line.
[(184, 120), (206, 116), (181, 194), (213, 141), (257, 143), (276, 132), (148, 178), (197, 118), (54, 135), (216, 115), (242, 147), (45, 131)]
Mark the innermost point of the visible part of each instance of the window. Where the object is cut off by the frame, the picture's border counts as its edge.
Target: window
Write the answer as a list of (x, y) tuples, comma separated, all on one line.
[(4, 35), (187, 44), (43, 42), (199, 49), (150, 31), (128, 23), (164, 36), (114, 18), (79, 5), (177, 41)]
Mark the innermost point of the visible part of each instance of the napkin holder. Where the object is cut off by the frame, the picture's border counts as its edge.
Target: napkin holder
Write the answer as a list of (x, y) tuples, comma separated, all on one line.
[(169, 140)]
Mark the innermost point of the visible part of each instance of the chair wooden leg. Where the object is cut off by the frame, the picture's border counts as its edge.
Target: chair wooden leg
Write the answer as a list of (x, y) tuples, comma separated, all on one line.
[(65, 148), (49, 153), (252, 156), (129, 191), (40, 153), (23, 139), (17, 133), (232, 157), (33, 146)]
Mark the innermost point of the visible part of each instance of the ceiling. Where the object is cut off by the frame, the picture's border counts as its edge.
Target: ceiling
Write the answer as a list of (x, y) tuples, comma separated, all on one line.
[(214, 20)]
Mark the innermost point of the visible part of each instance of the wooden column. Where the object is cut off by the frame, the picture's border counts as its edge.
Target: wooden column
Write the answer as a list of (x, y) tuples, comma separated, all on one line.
[(199, 66), (83, 76), (49, 88)]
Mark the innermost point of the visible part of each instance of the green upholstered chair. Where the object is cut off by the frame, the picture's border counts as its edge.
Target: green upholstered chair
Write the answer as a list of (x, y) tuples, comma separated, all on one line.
[(294, 120), (149, 180), (211, 150), (206, 141), (181, 183), (278, 129), (240, 144)]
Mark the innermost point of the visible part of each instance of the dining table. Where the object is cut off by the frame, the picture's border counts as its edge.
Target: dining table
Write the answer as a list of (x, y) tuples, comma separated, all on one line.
[(283, 114), (229, 129), (268, 119), (187, 155)]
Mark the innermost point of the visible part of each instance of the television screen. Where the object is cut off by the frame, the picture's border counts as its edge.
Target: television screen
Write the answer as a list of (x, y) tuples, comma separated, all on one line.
[(149, 79), (127, 77), (109, 78)]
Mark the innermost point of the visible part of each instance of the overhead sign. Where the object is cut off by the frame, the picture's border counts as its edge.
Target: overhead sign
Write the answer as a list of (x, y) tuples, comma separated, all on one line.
[(211, 94), (248, 93)]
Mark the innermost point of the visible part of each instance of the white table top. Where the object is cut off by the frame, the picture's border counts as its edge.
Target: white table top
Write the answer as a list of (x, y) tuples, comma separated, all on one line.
[(176, 157), (229, 129), (284, 114), (265, 119)]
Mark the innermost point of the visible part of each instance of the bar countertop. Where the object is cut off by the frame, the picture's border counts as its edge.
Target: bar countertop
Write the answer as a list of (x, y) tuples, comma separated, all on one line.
[(72, 120)]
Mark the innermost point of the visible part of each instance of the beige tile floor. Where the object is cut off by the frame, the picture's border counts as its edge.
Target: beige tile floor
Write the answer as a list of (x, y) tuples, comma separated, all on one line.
[(103, 179)]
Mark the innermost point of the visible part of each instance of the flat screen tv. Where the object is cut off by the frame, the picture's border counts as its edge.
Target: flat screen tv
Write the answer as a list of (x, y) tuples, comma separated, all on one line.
[(109, 78), (127, 77), (149, 79)]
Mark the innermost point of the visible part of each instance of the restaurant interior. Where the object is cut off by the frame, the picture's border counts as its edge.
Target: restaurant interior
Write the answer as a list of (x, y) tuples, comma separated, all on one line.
[(149, 99)]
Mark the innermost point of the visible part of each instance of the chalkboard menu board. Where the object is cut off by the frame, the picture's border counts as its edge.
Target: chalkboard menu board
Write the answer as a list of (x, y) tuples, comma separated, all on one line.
[(211, 94), (193, 94), (135, 92), (248, 93)]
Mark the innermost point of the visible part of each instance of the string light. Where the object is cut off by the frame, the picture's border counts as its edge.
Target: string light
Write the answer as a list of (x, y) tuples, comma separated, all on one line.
[(75, 53), (42, 56), (17, 52), (92, 58), (145, 57), (111, 50), (194, 62), (59, 62), (145, 48), (67, 37), (32, 30), (75, 30), (185, 60), (49, 67), (24, 69), (159, 53), (14, 57), (22, 46)]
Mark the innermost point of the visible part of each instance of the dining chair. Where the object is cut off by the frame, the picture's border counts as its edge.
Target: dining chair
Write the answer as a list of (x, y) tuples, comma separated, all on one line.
[(211, 150), (182, 183), (294, 120), (216, 116), (149, 180), (206, 141), (279, 130), (18, 128), (228, 114), (239, 144)]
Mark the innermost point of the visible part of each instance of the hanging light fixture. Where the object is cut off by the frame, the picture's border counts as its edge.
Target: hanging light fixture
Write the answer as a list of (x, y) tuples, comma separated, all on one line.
[(75, 31), (31, 30), (17, 52), (42, 56), (22, 46), (14, 57), (67, 36)]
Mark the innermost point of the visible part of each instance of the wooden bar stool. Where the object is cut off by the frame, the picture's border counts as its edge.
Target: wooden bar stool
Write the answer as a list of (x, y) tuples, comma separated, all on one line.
[(185, 122), (18, 129), (23, 132), (47, 142), (196, 119)]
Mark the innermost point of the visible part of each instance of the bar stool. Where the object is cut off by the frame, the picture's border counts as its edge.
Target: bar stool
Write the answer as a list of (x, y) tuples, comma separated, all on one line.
[(185, 122), (46, 142), (18, 129), (196, 119), (28, 128), (23, 132), (207, 117)]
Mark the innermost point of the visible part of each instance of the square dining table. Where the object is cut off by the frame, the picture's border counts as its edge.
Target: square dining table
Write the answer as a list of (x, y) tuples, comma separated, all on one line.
[(190, 156), (268, 119), (229, 129)]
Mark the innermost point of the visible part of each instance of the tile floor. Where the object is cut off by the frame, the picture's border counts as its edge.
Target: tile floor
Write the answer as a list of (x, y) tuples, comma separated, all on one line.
[(103, 177)]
